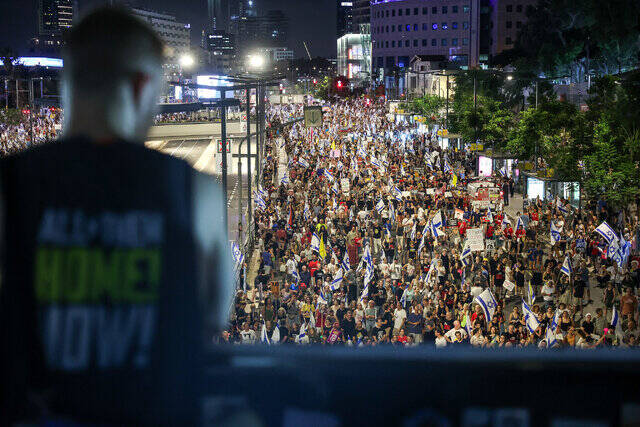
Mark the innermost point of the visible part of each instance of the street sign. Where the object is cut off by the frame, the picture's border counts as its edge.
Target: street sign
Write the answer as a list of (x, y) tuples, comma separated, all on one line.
[(476, 147), (312, 116), (443, 132), (220, 146)]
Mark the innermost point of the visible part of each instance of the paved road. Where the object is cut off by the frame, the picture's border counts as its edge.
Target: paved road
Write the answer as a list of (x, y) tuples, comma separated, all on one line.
[(199, 153)]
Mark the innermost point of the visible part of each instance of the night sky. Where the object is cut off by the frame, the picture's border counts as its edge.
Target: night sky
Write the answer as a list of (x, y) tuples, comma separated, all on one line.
[(313, 21)]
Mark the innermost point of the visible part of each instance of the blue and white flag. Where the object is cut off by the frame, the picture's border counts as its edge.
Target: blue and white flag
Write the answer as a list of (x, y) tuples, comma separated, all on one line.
[(447, 168), (555, 233), (467, 324), (615, 322), (315, 243), (567, 266), (489, 215), (397, 194), (607, 232), (321, 299), (302, 332), (488, 304), (285, 178), (392, 213), (412, 236), (421, 245), (387, 230), (466, 253), (530, 318), (303, 162), (430, 272), (562, 208), (531, 293), (340, 165), (380, 206), (438, 220), (346, 264), (550, 337), (306, 213), (403, 298), (505, 221), (337, 280), (237, 255), (519, 224), (264, 337), (328, 175), (275, 336)]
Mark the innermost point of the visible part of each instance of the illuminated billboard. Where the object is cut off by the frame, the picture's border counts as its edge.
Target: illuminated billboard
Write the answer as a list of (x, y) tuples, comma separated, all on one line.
[(33, 61), (204, 93)]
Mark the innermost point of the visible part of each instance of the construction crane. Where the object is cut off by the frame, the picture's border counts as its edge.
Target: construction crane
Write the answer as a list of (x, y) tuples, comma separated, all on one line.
[(307, 49)]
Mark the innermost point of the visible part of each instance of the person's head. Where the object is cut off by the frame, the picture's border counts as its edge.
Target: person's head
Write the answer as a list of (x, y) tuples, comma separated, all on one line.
[(112, 76)]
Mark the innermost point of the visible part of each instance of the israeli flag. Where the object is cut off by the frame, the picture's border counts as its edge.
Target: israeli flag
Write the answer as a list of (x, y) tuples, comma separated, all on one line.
[(489, 215), (429, 273), (321, 299), (466, 253), (615, 322), (434, 230), (315, 243), (447, 168), (555, 233), (328, 175), (375, 162), (346, 263), (421, 245), (519, 224), (550, 337), (303, 162), (296, 276), (264, 337), (350, 214), (392, 213), (438, 220), (302, 333), (397, 194), (607, 232), (488, 303), (403, 298), (285, 179), (505, 221), (427, 160), (387, 230), (563, 209), (380, 206), (306, 213), (530, 318), (238, 257), (336, 189), (567, 266), (532, 294), (275, 336), (260, 202)]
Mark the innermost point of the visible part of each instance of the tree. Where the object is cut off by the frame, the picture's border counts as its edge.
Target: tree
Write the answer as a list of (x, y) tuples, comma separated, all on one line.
[(321, 91), (428, 106)]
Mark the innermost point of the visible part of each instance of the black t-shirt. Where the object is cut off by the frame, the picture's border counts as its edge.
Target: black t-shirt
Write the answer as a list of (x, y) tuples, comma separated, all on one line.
[(98, 302)]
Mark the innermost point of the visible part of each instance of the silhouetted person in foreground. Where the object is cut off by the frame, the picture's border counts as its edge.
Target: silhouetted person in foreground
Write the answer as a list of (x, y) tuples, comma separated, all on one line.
[(111, 252)]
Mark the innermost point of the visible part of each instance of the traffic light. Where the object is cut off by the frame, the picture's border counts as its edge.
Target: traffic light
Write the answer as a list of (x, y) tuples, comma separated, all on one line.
[(315, 82), (339, 84), (281, 88), (26, 111)]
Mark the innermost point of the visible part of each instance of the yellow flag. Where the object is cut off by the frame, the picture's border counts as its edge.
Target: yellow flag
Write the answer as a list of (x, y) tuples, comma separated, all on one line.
[(454, 181), (323, 251), (333, 144)]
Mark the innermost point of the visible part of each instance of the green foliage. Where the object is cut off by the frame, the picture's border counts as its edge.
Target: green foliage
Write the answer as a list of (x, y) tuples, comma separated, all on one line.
[(610, 173), (11, 116), (321, 91), (429, 106)]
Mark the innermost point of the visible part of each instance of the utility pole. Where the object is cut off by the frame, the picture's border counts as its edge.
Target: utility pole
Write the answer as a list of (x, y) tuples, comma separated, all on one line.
[(223, 132)]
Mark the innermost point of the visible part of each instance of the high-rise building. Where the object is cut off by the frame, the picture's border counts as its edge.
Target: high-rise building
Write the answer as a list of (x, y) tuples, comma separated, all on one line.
[(405, 28), (217, 14), (263, 31), (361, 12), (345, 18), (507, 19), (352, 61), (220, 50), (55, 17), (175, 35)]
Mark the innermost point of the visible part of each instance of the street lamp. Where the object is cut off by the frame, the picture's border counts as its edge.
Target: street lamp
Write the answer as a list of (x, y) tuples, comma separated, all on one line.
[(509, 77), (255, 61), (187, 60)]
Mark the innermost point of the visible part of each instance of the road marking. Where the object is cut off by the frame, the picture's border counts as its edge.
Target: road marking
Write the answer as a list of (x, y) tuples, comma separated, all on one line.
[(205, 158)]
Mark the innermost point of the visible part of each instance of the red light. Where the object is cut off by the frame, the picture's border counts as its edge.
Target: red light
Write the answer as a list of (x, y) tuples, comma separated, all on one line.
[(339, 84), (315, 81), (25, 111)]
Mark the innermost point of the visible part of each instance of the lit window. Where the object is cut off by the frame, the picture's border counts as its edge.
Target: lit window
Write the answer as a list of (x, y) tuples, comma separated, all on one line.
[(465, 9), (444, 26), (408, 27), (454, 25), (434, 26)]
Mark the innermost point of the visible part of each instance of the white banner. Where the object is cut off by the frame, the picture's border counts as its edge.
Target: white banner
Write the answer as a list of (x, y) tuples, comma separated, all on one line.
[(475, 238)]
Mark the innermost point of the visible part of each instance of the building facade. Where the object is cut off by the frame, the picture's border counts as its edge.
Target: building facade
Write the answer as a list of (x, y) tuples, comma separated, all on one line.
[(175, 35), (258, 32), (352, 61), (276, 54), (507, 19), (344, 14), (219, 51), (55, 17), (402, 29)]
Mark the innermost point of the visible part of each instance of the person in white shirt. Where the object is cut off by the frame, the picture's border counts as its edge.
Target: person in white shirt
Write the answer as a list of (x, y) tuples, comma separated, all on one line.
[(247, 336), (396, 270), (451, 334), (399, 317), (441, 341), (548, 290)]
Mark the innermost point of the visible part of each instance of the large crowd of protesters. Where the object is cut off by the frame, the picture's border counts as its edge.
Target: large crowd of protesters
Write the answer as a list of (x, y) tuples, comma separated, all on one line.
[(369, 233), (34, 126)]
